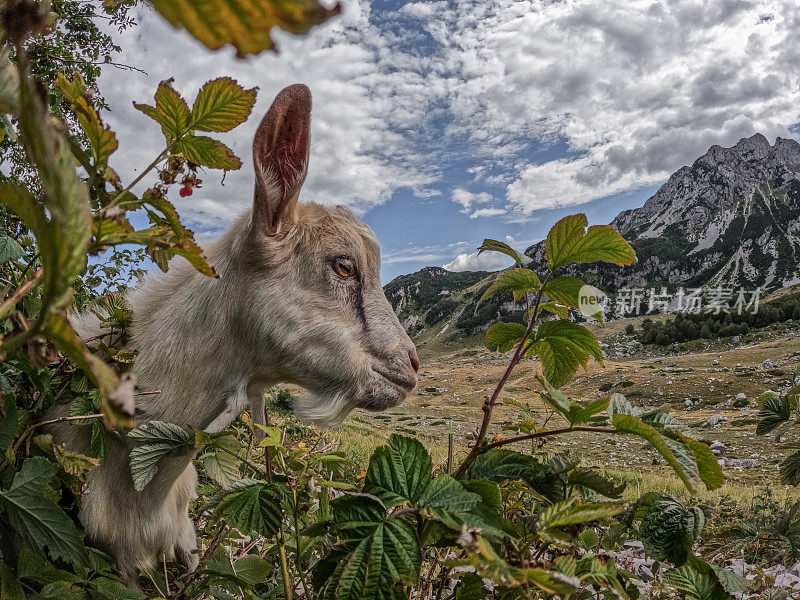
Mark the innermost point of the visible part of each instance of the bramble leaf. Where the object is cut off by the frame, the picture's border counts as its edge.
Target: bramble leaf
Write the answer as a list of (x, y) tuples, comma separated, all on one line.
[(562, 346), (244, 25), (519, 281), (249, 505), (669, 530), (774, 411), (399, 472), (170, 111), (569, 242), (221, 105), (208, 152), (160, 439), (504, 336), (574, 293), (375, 557), (9, 248), (37, 518), (220, 461), (490, 245)]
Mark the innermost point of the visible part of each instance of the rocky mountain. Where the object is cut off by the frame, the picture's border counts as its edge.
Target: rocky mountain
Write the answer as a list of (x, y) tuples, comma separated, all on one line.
[(732, 218)]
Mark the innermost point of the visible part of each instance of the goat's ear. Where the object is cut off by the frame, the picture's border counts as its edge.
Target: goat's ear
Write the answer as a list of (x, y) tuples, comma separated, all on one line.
[(280, 157)]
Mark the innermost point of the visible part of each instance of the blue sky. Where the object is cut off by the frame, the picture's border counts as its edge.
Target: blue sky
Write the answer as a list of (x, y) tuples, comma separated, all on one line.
[(444, 122)]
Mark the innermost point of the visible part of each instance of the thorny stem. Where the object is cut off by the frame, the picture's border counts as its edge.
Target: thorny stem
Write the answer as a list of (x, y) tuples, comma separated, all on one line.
[(152, 166), (541, 434), (287, 585), (478, 447)]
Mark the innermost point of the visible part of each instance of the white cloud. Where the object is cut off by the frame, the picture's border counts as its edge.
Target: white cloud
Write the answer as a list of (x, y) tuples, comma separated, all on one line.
[(634, 88), (467, 199), (488, 212), (486, 261)]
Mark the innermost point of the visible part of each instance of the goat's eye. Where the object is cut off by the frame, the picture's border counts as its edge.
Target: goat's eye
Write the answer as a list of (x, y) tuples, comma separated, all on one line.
[(344, 267)]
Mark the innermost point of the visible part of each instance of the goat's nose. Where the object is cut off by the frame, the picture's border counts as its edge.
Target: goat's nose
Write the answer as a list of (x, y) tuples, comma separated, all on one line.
[(412, 356)]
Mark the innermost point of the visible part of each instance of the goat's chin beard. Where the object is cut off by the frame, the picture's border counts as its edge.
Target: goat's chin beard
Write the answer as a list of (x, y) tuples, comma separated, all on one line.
[(328, 408)]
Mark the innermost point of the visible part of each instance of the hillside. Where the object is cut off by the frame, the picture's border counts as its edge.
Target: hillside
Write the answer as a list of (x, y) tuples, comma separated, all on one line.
[(732, 218)]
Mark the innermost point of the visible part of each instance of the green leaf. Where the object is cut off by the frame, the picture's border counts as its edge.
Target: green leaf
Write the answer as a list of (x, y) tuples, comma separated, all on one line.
[(249, 505), (731, 582), (775, 410), (37, 518), (160, 439), (574, 293), (244, 25), (696, 585), (105, 588), (9, 83), (499, 465), (208, 152), (375, 557), (575, 413), (221, 105), (221, 462), (490, 245), (9, 417), (10, 587), (562, 346), (519, 281), (470, 587), (170, 111), (504, 336), (669, 530), (591, 479), (103, 141), (631, 424), (790, 469), (490, 565), (399, 472), (569, 512), (569, 242), (558, 310), (9, 248)]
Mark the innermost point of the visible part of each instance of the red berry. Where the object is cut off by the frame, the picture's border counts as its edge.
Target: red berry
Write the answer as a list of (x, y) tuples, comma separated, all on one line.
[(186, 191)]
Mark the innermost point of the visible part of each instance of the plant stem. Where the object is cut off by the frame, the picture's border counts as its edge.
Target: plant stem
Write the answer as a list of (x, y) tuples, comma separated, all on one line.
[(196, 573), (287, 583), (489, 406), (10, 302), (150, 167), (542, 434)]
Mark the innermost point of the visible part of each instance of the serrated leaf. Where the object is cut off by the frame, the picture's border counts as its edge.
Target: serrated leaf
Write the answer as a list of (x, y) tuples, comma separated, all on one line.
[(774, 411), (569, 512), (490, 565), (575, 413), (519, 281), (499, 465), (560, 311), (470, 587), (574, 293), (38, 519), (696, 585), (569, 242), (105, 588), (9, 248), (669, 529), (159, 440), (790, 469), (490, 245), (249, 505), (221, 462), (245, 25), (399, 472), (9, 417), (208, 152), (731, 582), (562, 346), (504, 336), (591, 479), (221, 105), (631, 424), (10, 587), (377, 554), (103, 141), (170, 111)]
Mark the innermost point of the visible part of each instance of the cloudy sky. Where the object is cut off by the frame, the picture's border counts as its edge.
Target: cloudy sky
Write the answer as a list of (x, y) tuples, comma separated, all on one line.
[(444, 122)]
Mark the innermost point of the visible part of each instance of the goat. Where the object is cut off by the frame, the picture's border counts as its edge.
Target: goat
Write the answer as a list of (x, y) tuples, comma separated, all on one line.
[(298, 301)]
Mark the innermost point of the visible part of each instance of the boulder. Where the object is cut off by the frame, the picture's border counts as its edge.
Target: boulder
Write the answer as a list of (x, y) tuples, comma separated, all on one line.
[(717, 448)]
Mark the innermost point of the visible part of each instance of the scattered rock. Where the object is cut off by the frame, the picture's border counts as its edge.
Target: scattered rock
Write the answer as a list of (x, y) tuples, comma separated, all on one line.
[(768, 364), (715, 420), (715, 362), (717, 448), (739, 463), (741, 396)]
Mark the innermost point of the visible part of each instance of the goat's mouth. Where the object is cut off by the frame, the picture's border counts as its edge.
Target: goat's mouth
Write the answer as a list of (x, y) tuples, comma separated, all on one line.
[(402, 383)]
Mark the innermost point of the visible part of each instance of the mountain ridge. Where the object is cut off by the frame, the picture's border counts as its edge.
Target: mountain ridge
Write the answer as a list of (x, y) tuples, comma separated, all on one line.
[(730, 218)]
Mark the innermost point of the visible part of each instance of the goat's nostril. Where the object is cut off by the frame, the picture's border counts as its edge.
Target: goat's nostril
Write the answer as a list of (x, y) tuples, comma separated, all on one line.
[(412, 355)]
